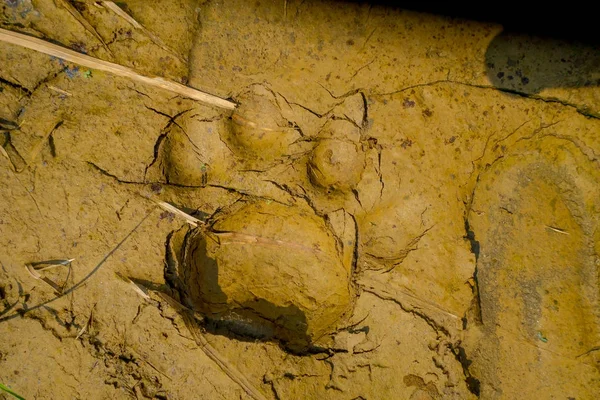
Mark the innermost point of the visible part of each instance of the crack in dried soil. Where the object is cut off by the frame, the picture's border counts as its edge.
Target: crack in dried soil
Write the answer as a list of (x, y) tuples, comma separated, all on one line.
[(579, 108), (432, 323)]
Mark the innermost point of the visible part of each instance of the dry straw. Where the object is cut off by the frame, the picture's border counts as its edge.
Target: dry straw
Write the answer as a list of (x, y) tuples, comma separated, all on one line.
[(69, 55)]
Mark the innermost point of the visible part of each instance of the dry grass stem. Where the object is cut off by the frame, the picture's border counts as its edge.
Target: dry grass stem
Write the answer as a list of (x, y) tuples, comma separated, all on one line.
[(63, 92), (69, 55), (35, 268), (174, 210), (557, 230), (88, 324), (49, 281), (137, 288)]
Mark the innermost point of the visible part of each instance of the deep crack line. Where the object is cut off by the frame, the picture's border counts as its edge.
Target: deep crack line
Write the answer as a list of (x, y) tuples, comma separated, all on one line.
[(15, 85), (106, 173), (379, 292), (125, 182), (580, 109), (432, 323)]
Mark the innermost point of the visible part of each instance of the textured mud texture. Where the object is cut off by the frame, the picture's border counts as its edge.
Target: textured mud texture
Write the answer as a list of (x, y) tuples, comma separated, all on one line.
[(402, 206), (269, 268)]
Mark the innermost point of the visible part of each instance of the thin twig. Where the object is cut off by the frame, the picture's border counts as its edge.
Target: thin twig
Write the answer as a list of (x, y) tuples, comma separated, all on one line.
[(51, 264), (64, 92), (88, 324), (69, 55), (174, 210), (138, 289), (49, 281), (557, 230), (121, 13), (5, 154)]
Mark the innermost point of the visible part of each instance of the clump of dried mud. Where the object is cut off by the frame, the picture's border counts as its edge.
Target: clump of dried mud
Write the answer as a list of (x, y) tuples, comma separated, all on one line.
[(271, 269)]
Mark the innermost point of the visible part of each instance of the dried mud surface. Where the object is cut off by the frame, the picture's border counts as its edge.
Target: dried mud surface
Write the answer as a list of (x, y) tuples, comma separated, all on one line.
[(419, 198)]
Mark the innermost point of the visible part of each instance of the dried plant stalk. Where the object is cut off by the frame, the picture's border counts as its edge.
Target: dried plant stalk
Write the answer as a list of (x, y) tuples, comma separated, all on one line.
[(137, 288), (174, 210), (49, 281), (42, 46), (5, 154)]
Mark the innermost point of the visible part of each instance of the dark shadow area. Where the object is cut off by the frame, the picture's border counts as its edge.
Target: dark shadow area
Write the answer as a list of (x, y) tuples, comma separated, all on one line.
[(526, 63), (197, 283), (470, 236), (566, 22), (539, 48), (244, 324), (146, 284), (473, 384)]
